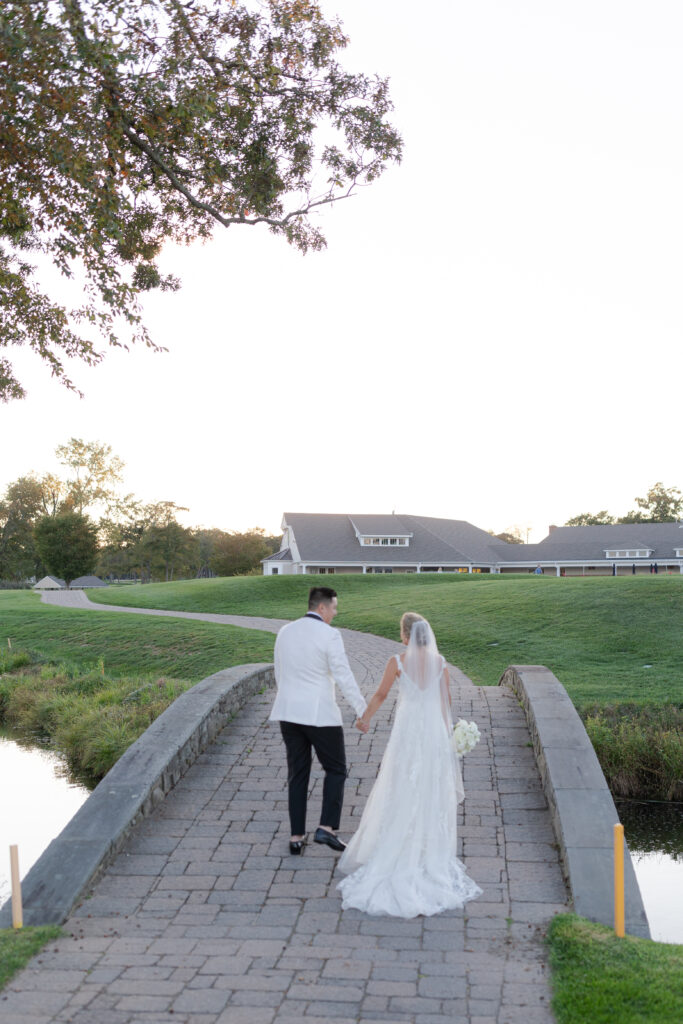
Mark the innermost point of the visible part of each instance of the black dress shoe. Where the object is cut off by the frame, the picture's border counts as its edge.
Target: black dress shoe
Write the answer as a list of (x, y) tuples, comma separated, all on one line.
[(297, 847), (329, 839)]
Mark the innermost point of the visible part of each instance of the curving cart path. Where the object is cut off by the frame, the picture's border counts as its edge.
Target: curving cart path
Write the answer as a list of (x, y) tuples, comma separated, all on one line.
[(204, 918)]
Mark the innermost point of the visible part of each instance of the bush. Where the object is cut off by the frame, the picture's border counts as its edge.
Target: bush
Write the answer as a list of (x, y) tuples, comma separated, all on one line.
[(640, 748), (88, 715)]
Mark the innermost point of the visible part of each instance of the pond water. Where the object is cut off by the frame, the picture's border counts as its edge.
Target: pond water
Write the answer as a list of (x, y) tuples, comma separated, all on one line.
[(654, 833), (37, 799)]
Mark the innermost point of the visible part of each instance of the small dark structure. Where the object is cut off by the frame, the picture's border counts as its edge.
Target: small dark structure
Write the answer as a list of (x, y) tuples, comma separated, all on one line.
[(86, 582)]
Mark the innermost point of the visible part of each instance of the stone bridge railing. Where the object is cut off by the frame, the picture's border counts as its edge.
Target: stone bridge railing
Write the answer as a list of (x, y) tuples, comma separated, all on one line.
[(138, 781), (581, 805)]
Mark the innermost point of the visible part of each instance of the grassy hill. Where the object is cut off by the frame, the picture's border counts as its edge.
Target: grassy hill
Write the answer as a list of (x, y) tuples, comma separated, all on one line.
[(607, 640), (130, 644), (88, 683)]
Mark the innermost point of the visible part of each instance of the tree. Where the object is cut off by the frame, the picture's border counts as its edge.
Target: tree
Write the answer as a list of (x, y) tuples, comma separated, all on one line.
[(237, 553), (26, 500), (67, 544), (128, 124), (204, 546), (511, 536), (163, 542), (601, 518), (19, 509), (96, 472), (660, 505)]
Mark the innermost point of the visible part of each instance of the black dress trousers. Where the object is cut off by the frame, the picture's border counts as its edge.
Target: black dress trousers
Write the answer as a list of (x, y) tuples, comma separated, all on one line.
[(328, 743)]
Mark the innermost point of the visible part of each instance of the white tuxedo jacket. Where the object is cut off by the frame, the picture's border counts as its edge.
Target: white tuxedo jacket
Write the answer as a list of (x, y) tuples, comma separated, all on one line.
[(309, 660)]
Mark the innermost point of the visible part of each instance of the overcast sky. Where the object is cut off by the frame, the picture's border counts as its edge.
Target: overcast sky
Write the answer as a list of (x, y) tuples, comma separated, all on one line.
[(494, 332)]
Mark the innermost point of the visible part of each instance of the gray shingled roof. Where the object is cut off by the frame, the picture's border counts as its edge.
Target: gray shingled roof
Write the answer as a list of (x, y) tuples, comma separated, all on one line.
[(280, 556), (331, 538), (588, 543), (88, 581), (380, 526)]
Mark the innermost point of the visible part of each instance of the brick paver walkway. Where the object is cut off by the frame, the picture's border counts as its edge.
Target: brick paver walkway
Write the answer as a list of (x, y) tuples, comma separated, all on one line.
[(204, 918)]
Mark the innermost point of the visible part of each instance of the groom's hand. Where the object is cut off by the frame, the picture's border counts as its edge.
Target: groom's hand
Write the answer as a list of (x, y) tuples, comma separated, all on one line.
[(360, 724)]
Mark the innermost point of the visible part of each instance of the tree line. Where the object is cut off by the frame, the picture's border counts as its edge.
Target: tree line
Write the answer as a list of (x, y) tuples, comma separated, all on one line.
[(80, 523), (660, 505)]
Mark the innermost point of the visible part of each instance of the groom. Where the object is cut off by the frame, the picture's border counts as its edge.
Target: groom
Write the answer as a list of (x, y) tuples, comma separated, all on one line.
[(309, 659)]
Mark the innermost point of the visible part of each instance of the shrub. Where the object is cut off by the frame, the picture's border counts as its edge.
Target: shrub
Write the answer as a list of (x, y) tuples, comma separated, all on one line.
[(89, 716), (640, 748)]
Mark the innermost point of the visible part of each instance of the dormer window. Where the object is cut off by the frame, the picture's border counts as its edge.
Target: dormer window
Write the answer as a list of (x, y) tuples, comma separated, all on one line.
[(378, 542), (628, 552)]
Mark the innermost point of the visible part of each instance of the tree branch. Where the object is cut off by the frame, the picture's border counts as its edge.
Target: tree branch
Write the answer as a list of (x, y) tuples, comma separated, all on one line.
[(198, 204)]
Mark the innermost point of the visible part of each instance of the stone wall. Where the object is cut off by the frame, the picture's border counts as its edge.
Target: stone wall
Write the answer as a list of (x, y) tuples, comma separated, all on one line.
[(581, 805), (139, 781)]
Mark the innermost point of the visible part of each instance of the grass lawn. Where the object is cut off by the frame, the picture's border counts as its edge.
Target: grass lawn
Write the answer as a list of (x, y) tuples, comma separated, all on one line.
[(596, 635), (17, 946), (128, 644), (601, 979), (89, 683)]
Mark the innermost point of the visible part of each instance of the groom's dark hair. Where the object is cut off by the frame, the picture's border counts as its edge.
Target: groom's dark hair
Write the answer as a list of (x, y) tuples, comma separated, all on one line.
[(317, 595)]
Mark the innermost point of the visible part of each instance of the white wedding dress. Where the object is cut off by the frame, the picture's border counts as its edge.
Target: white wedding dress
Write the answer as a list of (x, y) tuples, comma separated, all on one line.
[(402, 859)]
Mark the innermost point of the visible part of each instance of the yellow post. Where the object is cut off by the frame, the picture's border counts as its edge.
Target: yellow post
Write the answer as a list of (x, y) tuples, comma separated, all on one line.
[(9, 643), (17, 912), (619, 880)]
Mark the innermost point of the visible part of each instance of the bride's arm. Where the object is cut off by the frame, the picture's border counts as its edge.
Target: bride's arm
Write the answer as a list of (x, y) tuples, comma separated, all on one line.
[(380, 695)]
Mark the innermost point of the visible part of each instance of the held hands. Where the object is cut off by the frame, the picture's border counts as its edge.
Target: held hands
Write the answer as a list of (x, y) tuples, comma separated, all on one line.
[(361, 725)]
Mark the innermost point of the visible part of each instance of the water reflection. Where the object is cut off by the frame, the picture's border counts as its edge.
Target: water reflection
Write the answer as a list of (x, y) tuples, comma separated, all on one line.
[(654, 832), (37, 799)]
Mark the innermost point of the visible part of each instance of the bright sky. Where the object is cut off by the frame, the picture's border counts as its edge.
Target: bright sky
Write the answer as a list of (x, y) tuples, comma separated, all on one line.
[(494, 332)]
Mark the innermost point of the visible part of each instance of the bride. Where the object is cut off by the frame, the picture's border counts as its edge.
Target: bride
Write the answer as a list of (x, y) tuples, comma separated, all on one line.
[(402, 860)]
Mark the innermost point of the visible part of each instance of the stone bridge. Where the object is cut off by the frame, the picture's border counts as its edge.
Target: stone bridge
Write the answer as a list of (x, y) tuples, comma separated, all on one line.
[(195, 913)]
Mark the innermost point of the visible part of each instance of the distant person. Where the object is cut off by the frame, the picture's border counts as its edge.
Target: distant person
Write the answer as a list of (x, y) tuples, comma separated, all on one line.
[(633, 569), (656, 568), (309, 660), (538, 571)]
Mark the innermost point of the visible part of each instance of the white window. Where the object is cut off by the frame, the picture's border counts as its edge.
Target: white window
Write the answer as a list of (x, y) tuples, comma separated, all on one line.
[(628, 553), (384, 541)]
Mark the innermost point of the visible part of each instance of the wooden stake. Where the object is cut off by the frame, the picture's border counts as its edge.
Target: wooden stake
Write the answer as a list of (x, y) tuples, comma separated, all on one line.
[(17, 911), (619, 880)]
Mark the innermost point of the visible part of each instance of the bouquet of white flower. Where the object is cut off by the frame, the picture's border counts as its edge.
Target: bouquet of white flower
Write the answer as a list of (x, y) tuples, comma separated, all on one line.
[(465, 737)]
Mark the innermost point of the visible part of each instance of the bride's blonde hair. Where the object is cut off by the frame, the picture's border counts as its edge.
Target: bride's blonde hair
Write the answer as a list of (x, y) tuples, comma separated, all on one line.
[(408, 620)]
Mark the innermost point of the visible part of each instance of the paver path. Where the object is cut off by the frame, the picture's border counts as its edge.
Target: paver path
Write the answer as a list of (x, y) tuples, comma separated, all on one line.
[(204, 918)]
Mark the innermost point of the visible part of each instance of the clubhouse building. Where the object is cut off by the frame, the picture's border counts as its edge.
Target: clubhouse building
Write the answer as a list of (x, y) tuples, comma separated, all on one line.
[(325, 544)]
